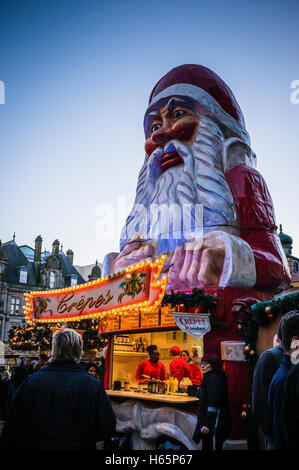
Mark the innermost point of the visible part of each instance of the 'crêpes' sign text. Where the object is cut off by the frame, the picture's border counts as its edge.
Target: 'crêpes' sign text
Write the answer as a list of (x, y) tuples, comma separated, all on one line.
[(193, 324), (136, 287)]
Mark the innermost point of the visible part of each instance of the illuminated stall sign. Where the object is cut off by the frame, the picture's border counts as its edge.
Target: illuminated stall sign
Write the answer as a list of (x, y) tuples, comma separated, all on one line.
[(193, 324), (137, 287)]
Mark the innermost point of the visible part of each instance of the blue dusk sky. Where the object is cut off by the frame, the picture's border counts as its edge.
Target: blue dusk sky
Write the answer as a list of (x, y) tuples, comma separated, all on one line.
[(78, 74)]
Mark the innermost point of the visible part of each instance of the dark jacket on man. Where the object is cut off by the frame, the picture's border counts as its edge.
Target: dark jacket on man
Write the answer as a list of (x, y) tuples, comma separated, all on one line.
[(275, 402), (213, 401), (264, 370), (291, 409), (59, 407)]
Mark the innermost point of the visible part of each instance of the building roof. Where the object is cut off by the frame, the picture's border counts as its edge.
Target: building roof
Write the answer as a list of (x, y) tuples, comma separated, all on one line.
[(16, 259), (68, 269), (85, 271), (19, 256)]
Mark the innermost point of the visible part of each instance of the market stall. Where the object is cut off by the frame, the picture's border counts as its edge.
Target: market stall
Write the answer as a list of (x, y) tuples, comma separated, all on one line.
[(144, 413)]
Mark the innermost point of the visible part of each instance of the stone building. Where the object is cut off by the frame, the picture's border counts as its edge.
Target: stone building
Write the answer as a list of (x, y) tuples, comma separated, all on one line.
[(23, 269), (287, 245)]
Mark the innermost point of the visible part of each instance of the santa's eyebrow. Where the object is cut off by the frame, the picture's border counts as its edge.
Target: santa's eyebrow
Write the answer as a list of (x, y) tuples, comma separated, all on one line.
[(174, 102)]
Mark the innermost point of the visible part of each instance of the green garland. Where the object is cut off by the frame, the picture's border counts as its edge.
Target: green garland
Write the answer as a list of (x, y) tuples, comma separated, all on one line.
[(262, 314), (31, 338), (198, 298)]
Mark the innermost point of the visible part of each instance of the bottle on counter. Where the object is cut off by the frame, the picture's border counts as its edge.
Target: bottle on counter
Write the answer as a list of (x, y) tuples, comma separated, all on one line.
[(150, 384), (174, 385), (139, 345)]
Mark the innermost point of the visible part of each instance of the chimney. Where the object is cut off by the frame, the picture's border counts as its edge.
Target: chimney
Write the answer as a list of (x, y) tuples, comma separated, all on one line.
[(55, 248), (70, 256), (38, 249)]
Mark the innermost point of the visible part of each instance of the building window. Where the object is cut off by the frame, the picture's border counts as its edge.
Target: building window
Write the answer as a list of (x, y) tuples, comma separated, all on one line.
[(15, 306), (74, 280), (23, 275), (52, 280)]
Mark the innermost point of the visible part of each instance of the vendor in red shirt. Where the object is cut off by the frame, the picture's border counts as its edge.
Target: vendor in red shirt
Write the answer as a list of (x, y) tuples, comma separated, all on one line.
[(195, 373), (179, 368), (152, 367)]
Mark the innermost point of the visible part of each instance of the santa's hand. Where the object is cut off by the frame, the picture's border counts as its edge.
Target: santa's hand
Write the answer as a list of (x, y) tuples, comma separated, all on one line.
[(133, 253), (195, 266)]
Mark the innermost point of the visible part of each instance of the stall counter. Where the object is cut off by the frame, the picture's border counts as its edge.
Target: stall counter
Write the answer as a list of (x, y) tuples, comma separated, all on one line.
[(146, 418), (175, 398)]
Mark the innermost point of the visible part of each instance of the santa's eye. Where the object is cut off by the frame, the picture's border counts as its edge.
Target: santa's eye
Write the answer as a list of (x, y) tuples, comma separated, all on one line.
[(177, 113), (155, 127)]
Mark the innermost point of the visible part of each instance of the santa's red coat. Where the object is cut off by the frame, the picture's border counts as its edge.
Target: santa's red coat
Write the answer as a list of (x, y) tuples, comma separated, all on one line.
[(258, 228)]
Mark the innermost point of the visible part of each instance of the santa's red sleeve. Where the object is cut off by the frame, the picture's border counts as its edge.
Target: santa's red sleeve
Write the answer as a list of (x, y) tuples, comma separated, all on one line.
[(258, 228)]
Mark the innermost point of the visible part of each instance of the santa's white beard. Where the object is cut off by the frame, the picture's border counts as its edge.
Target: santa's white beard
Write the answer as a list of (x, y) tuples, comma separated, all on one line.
[(177, 205)]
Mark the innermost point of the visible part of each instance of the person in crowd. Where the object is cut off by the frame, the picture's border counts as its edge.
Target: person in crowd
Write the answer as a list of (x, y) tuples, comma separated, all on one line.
[(290, 332), (178, 367), (290, 406), (152, 367), (213, 420), (91, 369), (4, 386), (195, 372), (265, 368), (60, 407), (21, 372), (42, 361)]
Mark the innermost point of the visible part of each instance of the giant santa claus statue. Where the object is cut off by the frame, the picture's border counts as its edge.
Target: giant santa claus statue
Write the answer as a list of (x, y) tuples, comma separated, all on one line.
[(201, 201), (199, 197)]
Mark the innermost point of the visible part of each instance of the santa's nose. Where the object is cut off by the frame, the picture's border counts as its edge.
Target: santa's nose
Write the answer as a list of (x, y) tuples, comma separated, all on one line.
[(163, 134)]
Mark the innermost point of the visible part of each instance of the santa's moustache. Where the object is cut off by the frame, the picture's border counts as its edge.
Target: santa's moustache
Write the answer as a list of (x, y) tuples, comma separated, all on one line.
[(186, 198)]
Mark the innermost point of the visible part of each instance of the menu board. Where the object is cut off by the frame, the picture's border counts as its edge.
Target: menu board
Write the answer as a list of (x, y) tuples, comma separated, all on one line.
[(149, 319), (167, 318), (129, 321), (111, 323)]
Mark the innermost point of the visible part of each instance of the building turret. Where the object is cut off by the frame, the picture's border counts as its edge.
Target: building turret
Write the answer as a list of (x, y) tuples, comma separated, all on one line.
[(95, 272)]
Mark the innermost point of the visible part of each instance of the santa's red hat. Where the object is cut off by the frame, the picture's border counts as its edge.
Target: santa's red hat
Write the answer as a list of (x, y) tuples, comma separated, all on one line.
[(208, 89)]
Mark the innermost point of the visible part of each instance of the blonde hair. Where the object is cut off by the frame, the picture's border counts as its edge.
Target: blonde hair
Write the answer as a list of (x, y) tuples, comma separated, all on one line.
[(66, 346)]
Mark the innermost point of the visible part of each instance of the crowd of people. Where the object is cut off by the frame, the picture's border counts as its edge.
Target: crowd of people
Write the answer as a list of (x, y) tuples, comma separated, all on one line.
[(275, 388), (11, 381), (60, 406)]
